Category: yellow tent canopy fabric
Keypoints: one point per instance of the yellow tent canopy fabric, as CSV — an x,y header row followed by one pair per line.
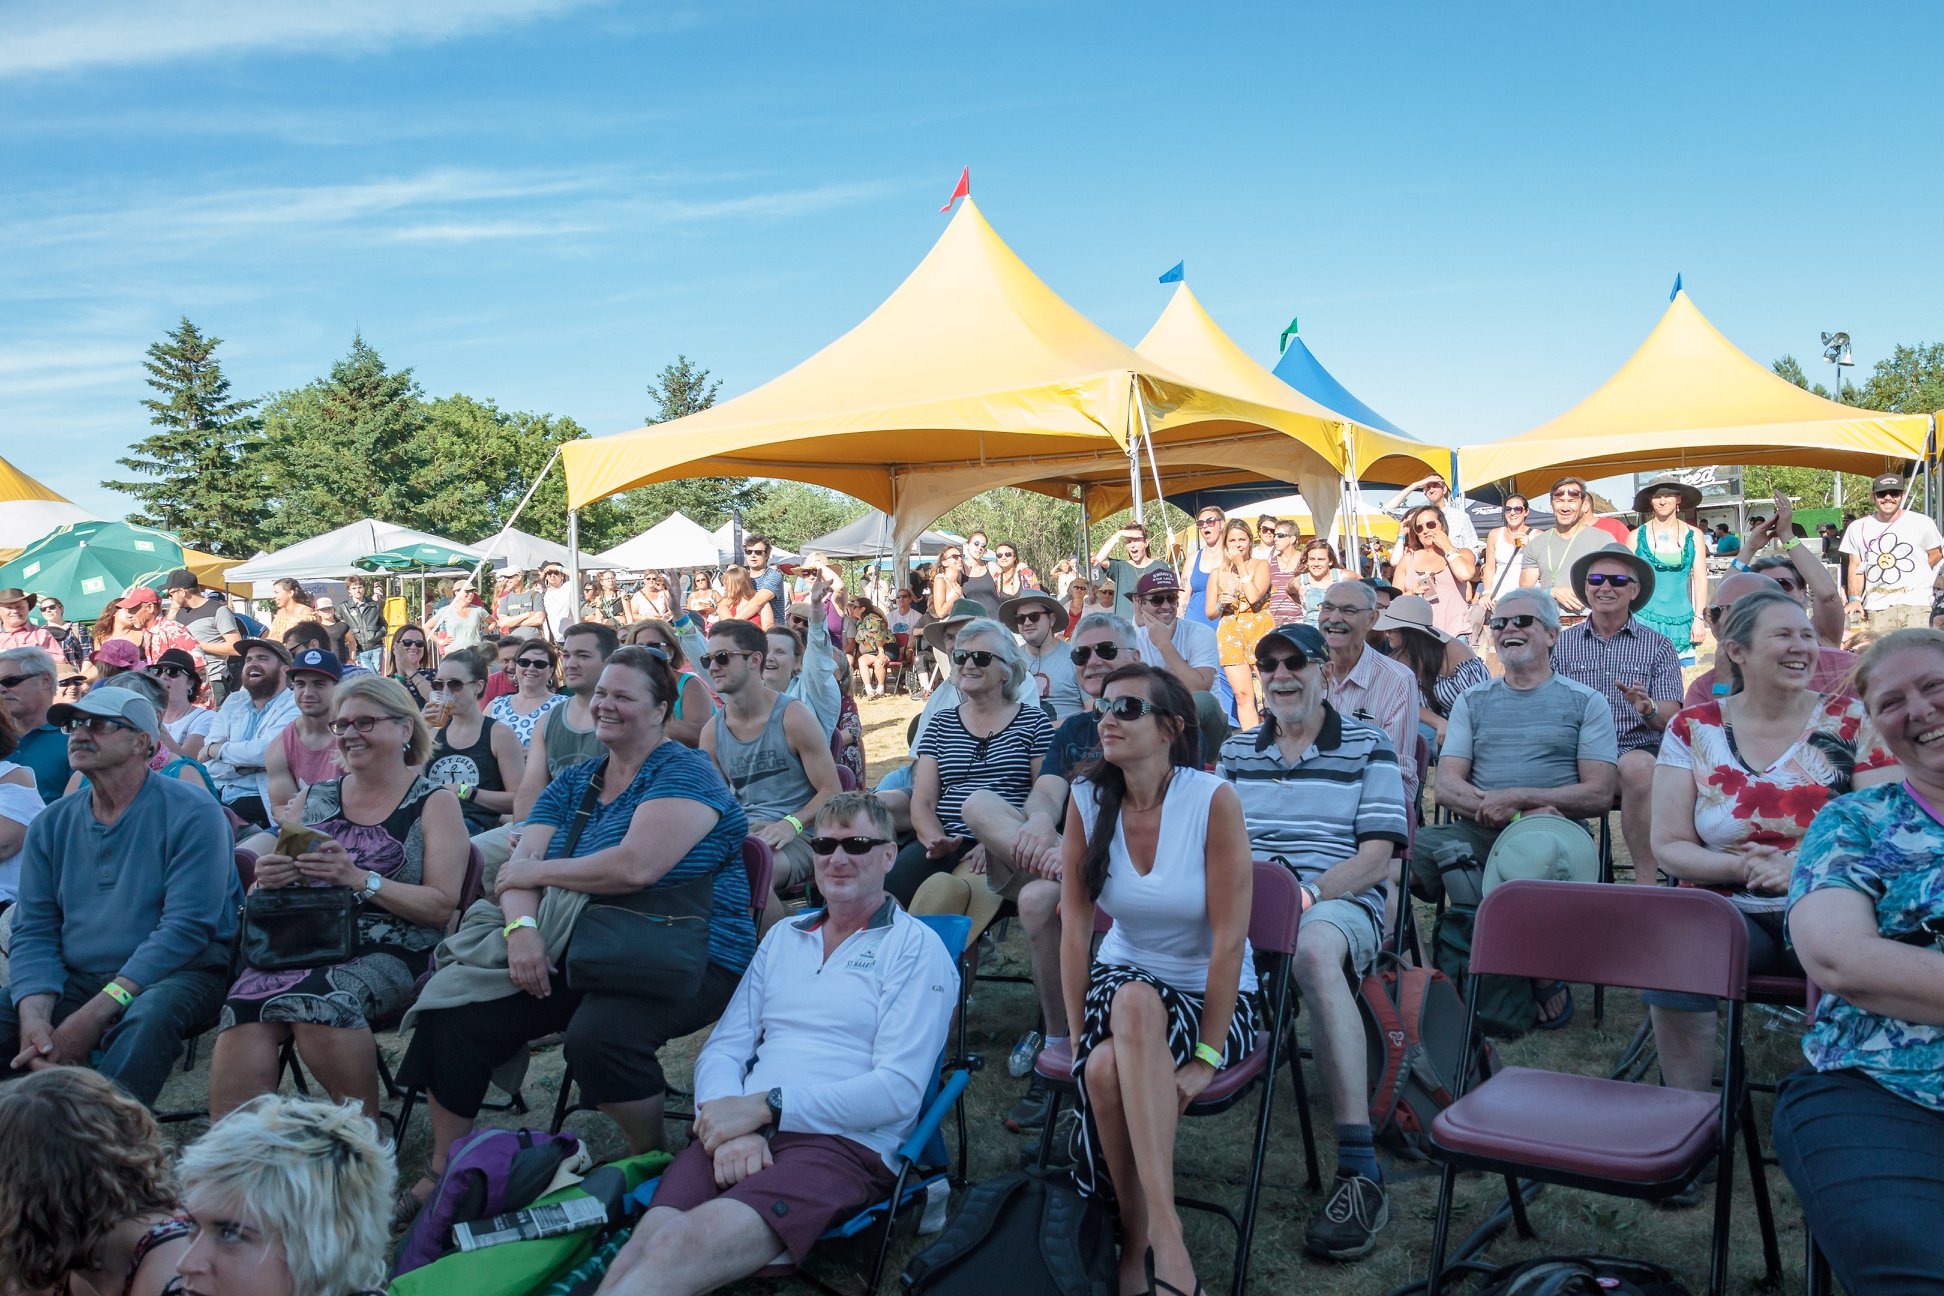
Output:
x,y
972,374
1689,397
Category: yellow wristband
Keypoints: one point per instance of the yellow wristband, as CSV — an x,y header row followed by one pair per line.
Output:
x,y
114,991
508,930
1204,1053
794,822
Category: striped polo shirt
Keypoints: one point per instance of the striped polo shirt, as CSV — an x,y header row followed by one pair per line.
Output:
x,y
1344,791
1633,654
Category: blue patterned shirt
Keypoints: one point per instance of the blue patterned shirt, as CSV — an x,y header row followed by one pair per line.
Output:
x,y
1882,843
671,770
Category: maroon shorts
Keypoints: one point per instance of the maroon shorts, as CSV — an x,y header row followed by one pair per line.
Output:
x,y
817,1180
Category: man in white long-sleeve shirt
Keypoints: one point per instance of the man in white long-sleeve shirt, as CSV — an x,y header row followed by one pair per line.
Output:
x,y
249,721
814,1075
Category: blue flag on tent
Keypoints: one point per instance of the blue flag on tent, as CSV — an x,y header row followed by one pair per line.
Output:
x,y
1677,287
1177,274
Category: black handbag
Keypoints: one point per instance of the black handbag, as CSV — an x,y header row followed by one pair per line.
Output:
x,y
285,929
653,944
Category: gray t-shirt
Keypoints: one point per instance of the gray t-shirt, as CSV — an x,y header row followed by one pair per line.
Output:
x,y
1532,738
1125,575
1553,555
525,603
208,624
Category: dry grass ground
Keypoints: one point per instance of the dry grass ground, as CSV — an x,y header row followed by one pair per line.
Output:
x,y
1213,1156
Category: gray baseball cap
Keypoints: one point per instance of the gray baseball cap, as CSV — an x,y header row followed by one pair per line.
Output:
x,y
118,703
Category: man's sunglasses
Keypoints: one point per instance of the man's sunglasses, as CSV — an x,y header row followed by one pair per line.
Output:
x,y
13,681
1157,600
1269,664
363,724
1615,579
1519,622
1031,614
977,656
1086,653
1127,708
716,660
95,725
825,847
1889,494
1209,522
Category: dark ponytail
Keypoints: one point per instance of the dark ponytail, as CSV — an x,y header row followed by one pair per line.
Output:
x,y
1173,705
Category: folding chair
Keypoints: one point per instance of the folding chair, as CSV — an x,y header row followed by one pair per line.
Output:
x,y
1610,1136
759,864
923,1158
1275,912
846,780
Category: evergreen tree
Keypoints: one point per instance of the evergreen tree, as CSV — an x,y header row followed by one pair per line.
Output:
x,y
201,481
681,389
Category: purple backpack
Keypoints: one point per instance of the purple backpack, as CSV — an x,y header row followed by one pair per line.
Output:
x,y
487,1173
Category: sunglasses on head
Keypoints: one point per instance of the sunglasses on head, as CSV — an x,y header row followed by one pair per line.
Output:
x,y
362,724
1615,579
1127,708
1519,621
977,656
828,846
1087,652
724,656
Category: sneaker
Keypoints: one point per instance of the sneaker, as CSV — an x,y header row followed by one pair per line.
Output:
x,y
1702,1185
1019,1064
1028,1115
1346,1227
1065,1151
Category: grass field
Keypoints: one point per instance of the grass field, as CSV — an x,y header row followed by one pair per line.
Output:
x,y
1213,1156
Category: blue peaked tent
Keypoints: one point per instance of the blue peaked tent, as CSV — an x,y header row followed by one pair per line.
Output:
x,y
1303,371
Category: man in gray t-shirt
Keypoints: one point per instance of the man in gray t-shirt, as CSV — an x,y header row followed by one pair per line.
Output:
x,y
1547,560
211,624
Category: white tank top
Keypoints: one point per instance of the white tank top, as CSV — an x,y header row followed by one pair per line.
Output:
x,y
1161,920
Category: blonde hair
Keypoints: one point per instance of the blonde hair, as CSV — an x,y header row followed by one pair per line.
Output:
x,y
736,583
1871,661
315,1176
389,696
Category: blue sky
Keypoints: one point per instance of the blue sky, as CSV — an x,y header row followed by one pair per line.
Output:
x,y
1475,210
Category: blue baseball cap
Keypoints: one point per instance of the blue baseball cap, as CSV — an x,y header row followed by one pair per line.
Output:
x,y
1306,639
318,661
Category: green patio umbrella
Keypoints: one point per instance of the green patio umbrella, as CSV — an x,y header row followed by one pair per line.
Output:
x,y
88,565
420,558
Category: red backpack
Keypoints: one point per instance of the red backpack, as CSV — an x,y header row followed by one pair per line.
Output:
x,y
1414,1029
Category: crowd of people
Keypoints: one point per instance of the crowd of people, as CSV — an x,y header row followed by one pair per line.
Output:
x,y
502,793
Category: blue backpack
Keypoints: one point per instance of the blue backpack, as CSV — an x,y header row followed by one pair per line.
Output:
x,y
487,1173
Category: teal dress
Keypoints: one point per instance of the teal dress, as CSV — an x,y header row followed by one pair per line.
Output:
x,y
1669,610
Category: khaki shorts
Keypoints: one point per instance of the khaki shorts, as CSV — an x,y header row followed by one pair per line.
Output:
x,y
1883,620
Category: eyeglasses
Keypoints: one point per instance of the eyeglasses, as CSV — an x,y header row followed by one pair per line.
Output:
x,y
1343,610
411,643
449,685
1519,622
1513,508
1157,600
1569,493
1429,524
801,623
1285,535
756,551
13,681
1714,611
1269,665
1006,553
1029,615
1087,652
363,724
1209,522
96,725
50,607
1615,579
73,682
534,663
1127,708
977,656
828,846
717,660
169,670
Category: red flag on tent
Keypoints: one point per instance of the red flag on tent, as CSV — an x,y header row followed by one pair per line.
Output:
x,y
961,190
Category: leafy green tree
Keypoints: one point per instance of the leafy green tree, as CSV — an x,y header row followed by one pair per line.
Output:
x,y
1910,381
479,460
201,480
792,512
679,389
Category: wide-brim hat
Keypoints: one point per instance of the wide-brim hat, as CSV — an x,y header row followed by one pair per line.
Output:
x,y
1542,847
14,594
1409,612
1009,610
961,612
1642,569
1644,497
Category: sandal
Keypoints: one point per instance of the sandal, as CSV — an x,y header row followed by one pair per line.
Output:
x,y
407,1205
1543,993
1156,1286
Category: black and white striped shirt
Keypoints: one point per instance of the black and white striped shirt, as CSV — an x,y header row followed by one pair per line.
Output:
x,y
1001,763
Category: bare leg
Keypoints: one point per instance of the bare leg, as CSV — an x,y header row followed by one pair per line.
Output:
x,y
447,1129
1686,1041
1242,680
1039,914
640,1122
1636,812
685,1253
345,1062
1151,1112
1336,1026
243,1065
1110,1122
994,822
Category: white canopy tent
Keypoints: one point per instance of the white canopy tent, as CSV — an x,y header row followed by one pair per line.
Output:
x,y
521,551
335,553
870,537
672,544
724,537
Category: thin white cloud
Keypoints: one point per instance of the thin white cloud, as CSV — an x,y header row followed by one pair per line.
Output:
x,y
43,38
474,231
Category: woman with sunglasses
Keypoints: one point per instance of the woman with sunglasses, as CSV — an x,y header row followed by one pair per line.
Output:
x,y
947,582
1236,599
185,724
701,601
651,602
1012,576
474,757
1170,997
1677,552
1434,567
695,698
612,602
1199,568
1504,550
410,663
591,603
994,739
395,839
533,693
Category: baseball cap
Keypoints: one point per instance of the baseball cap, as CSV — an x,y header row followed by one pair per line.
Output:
x,y
318,662
1306,639
326,602
119,703
139,595
182,578
1888,482
1159,581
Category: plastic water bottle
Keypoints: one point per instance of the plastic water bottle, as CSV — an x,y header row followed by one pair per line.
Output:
x,y
1019,1064
938,1196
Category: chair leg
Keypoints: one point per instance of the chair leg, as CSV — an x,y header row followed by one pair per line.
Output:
x,y
1758,1181
1515,1199
1046,1132
1817,1265
1440,1228
407,1100
1245,1227
1724,1206
1303,1119
884,1234
563,1102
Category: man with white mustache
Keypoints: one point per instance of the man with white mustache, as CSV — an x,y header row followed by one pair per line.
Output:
x,y
1362,683
1323,793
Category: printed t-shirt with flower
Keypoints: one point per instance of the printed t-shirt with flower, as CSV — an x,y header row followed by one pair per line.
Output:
x,y
1735,805
1880,842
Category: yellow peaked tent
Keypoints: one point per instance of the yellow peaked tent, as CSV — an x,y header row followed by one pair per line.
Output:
x,y
29,510
1688,397
972,374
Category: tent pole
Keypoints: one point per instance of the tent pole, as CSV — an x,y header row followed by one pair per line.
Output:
x,y
573,561
1350,502
1080,560
487,553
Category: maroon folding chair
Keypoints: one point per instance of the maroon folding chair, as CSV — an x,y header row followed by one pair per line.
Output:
x,y
1275,913
1610,1136
846,780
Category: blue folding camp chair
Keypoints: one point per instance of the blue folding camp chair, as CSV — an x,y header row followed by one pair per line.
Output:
x,y
922,1158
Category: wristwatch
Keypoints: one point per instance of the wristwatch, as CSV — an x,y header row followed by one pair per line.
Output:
x,y
1315,892
776,1108
373,881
